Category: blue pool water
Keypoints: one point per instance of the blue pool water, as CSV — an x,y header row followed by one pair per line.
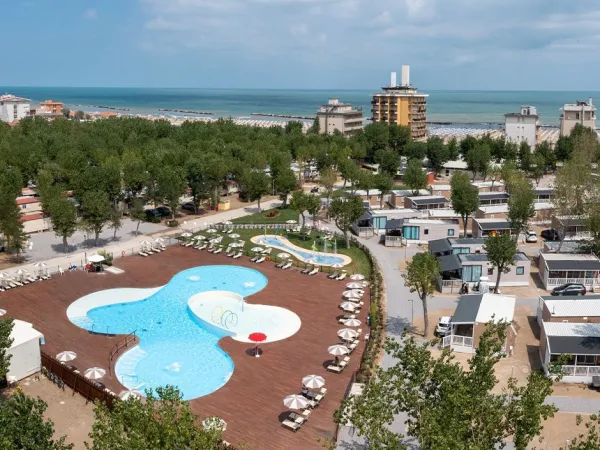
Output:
x,y
320,258
174,348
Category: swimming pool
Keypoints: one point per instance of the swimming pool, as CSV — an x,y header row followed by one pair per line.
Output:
x,y
320,258
175,347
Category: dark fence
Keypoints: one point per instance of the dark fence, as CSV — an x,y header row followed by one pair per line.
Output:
x,y
77,382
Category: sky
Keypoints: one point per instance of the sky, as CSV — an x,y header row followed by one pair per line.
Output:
x,y
304,44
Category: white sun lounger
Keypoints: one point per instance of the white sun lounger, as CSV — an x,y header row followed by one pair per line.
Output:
x,y
31,279
342,276
336,369
260,260
314,271
218,250
18,283
290,425
238,255
188,244
202,247
287,265
141,253
333,275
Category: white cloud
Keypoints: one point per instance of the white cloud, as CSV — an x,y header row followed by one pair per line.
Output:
x,y
90,14
299,29
382,19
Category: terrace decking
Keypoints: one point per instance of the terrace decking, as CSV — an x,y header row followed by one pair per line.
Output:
x,y
252,401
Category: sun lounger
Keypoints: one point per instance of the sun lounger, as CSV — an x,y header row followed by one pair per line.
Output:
x,y
305,271
323,391
287,265
202,247
336,369
343,318
238,255
280,265
188,244
31,279
18,283
211,248
141,253
300,418
218,250
229,231
333,275
230,252
291,425
342,276
346,360
157,249
260,260
314,271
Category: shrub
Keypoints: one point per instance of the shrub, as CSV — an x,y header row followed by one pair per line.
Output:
x,y
108,257
172,223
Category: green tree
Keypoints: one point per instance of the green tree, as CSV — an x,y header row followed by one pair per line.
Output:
x,y
591,439
161,421
137,213
328,179
415,177
116,221
421,276
388,161
285,182
349,171
257,185
24,427
346,211
399,137
453,150
501,251
171,186
521,205
508,173
478,158
313,205
366,182
96,211
464,197
316,126
545,151
377,136
12,227
6,327
384,183
63,213
299,202
563,148
437,153
449,406
538,164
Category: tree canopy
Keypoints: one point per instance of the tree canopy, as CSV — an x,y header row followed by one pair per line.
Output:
x,y
464,197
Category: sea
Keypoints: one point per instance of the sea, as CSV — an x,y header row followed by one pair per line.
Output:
x,y
484,109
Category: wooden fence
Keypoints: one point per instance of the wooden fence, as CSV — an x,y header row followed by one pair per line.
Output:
x,y
78,382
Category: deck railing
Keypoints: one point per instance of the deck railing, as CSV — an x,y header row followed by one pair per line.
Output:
x,y
581,371
121,344
587,282
459,341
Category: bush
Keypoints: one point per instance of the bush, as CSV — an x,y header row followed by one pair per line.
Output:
x,y
172,223
108,257
273,213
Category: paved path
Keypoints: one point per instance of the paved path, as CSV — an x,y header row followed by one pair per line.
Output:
x,y
402,308
130,246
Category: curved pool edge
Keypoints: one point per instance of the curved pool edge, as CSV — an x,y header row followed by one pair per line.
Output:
x,y
259,241
293,322
78,309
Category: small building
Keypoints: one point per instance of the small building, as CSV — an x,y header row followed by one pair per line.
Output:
x,y
341,117
423,202
372,200
568,308
489,186
489,227
397,196
544,195
449,167
523,126
583,113
13,108
473,314
493,198
421,231
564,247
458,269
441,190
374,221
571,228
32,217
25,353
578,342
456,246
51,107
557,269
492,212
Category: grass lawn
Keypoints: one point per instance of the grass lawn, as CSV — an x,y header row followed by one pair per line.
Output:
x,y
360,262
277,215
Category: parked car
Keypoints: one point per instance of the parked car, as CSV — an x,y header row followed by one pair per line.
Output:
x,y
550,235
163,211
530,236
570,289
314,190
189,206
152,215
443,326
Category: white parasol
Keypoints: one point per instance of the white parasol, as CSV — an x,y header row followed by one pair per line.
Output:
x,y
338,350
66,356
347,333
234,236
352,322
186,235
211,230
354,285
257,249
130,393
313,381
348,306
295,401
95,373
283,255
352,294
291,221
357,277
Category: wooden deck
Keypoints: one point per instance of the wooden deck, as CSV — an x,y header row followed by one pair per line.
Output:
x,y
252,401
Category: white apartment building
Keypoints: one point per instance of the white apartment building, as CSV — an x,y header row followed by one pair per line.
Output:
x,y
583,113
523,126
339,116
13,108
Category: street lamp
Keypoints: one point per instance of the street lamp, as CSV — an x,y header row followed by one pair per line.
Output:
x,y
412,311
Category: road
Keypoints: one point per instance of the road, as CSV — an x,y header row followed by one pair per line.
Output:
x,y
402,307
